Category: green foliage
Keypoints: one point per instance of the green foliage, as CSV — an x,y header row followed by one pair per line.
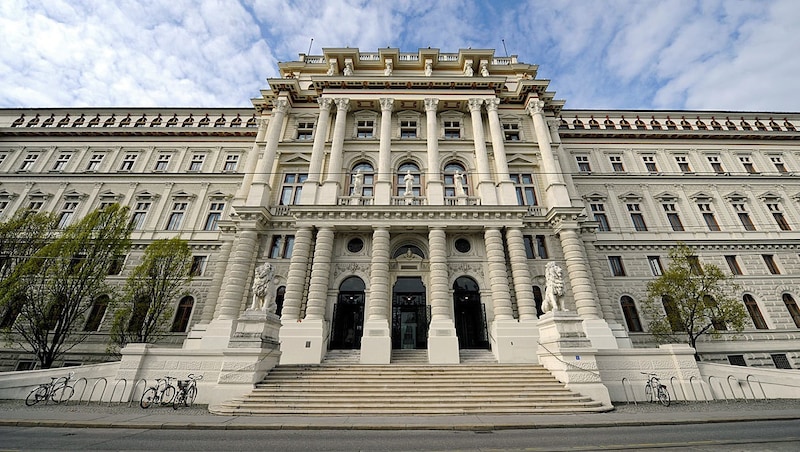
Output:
x,y
699,297
150,291
56,285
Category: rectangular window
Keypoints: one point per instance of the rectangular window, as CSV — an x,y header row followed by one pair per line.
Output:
x,y
288,247
176,217
292,188
197,162
708,216
305,131
452,129
198,265
616,163
365,129
163,162
747,164
583,163
715,164
524,186
733,265
737,360
529,246
408,129
672,217
650,163
683,163
67,213
598,210
636,217
61,162
744,217
35,206
139,215
94,162
214,215
775,209
231,162
28,162
695,266
780,361
3,157
779,165
617,269
275,247
769,260
541,247
127,162
655,265
511,132
117,264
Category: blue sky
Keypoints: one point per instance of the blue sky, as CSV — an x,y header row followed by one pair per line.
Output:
x,y
637,54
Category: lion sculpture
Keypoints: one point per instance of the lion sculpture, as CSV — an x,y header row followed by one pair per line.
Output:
x,y
262,285
554,289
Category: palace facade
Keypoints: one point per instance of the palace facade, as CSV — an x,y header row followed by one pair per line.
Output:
x,y
414,200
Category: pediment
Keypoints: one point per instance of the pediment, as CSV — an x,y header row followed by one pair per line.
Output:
x,y
735,195
595,196
183,195
769,196
665,196
520,159
295,158
630,196
146,195
700,196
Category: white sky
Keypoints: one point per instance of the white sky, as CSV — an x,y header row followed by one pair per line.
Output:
x,y
626,54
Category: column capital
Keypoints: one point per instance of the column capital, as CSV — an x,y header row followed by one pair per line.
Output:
x,y
431,104
535,107
387,103
325,103
553,125
475,104
492,104
342,104
281,105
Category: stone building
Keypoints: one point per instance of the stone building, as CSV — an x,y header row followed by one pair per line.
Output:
x,y
414,200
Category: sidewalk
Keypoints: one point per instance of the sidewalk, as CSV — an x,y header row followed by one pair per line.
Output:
x,y
15,413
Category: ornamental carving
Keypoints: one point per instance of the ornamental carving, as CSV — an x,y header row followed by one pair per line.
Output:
x,y
352,268
535,107
325,103
463,268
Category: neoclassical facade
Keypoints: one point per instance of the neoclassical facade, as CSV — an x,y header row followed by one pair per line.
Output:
x,y
414,200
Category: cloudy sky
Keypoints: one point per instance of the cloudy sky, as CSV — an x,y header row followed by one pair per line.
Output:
x,y
637,54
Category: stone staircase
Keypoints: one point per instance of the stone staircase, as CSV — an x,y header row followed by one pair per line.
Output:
x,y
408,386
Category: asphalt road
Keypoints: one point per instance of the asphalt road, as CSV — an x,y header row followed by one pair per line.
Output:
x,y
736,436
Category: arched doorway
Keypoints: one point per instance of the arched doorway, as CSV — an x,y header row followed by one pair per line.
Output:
x,y
470,314
409,314
348,315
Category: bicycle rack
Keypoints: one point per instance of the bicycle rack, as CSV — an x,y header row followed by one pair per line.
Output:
x,y
694,394
133,390
760,386
74,386
721,388
625,391
672,386
733,393
94,386
114,391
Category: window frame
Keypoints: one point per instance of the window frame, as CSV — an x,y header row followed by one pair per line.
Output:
x,y
617,266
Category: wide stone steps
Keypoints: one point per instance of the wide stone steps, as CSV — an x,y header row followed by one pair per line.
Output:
x,y
333,388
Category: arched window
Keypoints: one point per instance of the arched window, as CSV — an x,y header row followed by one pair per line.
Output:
x,y
631,314
450,186
138,315
673,315
96,313
279,295
367,175
408,249
182,315
755,312
791,305
416,179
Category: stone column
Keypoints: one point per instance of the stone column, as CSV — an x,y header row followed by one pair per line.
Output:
x,y
238,274
556,192
435,188
506,193
383,184
296,279
252,162
485,185
376,344
309,195
523,286
442,339
211,310
260,190
320,275
333,177
498,275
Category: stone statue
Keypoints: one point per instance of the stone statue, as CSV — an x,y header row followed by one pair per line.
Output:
x,y
358,183
388,70
484,69
468,69
332,68
458,181
262,286
348,69
428,68
554,288
409,181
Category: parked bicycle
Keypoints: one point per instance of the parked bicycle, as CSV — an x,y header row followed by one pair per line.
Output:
x,y
162,393
654,390
187,391
58,390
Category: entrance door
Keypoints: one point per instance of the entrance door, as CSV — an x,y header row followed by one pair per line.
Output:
x,y
409,314
348,315
470,315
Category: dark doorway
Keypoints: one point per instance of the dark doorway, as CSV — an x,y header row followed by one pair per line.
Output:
x,y
470,314
409,314
348,315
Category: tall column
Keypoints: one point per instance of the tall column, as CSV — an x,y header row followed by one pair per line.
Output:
x,y
383,184
320,275
435,188
333,177
523,286
296,279
498,275
260,190
506,193
442,339
238,274
557,195
485,185
311,184
252,162
376,344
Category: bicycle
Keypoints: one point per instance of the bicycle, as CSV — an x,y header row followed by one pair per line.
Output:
x,y
654,390
163,392
58,390
187,391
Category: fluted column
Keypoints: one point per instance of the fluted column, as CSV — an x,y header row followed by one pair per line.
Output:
x,y
238,274
523,288
434,189
335,163
320,275
557,195
440,299
379,276
260,190
252,161
318,150
485,185
579,274
383,184
498,275
296,279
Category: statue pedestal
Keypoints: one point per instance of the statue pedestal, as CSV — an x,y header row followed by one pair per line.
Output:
x,y
442,342
376,343
516,342
254,328
303,342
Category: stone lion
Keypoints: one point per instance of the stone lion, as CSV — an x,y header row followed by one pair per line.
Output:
x,y
262,285
554,289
